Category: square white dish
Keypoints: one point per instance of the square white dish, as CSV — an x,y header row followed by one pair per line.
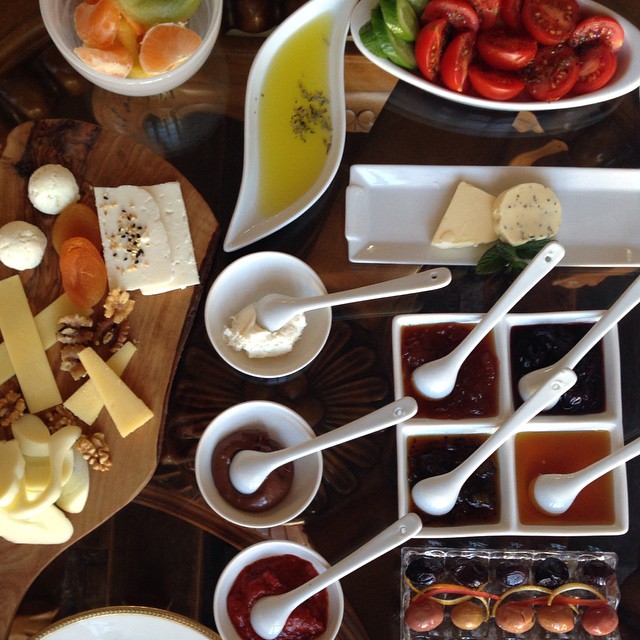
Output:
x,y
393,211
513,517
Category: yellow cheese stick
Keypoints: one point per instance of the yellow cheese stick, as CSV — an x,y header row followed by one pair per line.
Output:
x,y
127,411
47,325
25,349
85,402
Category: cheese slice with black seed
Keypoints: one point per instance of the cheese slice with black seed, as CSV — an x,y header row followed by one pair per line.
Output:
x,y
135,243
525,212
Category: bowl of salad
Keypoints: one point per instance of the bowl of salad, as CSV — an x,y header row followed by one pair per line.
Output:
x,y
509,55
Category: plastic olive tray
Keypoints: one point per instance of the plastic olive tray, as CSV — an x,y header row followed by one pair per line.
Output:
x,y
509,519
450,557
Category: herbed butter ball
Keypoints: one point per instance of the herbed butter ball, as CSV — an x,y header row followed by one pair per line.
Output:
x,y
22,245
51,188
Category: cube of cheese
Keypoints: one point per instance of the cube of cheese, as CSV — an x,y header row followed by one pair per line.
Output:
x,y
468,220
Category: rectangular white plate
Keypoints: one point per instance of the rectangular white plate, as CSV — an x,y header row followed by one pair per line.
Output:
x,y
392,211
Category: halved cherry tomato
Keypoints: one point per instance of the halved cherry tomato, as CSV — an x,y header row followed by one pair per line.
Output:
x,y
510,11
494,84
83,272
597,65
550,21
429,46
487,11
459,13
552,73
454,66
598,29
506,50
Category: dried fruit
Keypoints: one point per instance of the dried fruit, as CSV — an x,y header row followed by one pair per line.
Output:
x,y
83,272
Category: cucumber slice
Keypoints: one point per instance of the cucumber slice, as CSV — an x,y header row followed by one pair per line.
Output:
x,y
370,40
399,51
401,18
419,6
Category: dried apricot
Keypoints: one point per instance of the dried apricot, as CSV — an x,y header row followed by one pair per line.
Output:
x,y
74,220
83,272
165,46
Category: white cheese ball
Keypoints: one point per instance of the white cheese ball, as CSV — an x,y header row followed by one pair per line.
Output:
x,y
51,188
22,245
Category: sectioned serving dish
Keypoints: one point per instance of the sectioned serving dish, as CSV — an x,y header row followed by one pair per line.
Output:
x,y
556,437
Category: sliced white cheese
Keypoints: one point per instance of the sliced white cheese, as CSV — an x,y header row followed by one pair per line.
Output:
x,y
37,472
528,211
47,324
134,240
468,220
48,526
25,348
75,492
31,435
168,197
126,409
86,403
11,471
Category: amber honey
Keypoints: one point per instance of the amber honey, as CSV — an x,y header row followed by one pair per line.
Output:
x,y
564,452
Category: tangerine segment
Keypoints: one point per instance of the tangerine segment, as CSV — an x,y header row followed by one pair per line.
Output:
x,y
76,219
115,60
83,272
97,24
165,46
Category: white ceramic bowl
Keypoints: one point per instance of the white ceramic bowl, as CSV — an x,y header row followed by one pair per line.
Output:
x,y
58,19
244,282
267,549
514,517
284,426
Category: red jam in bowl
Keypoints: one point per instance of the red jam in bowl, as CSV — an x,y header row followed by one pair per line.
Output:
x,y
272,576
475,394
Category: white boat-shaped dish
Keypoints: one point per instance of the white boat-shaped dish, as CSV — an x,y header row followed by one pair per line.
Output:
x,y
626,79
132,623
393,211
295,120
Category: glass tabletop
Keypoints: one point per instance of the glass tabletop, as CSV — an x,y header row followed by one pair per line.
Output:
x,y
198,128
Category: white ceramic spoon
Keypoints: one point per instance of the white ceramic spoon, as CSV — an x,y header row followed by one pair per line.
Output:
x,y
436,379
249,469
270,613
554,493
627,301
274,310
437,495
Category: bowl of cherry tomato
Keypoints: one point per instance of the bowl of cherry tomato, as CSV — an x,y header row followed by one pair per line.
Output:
x,y
510,55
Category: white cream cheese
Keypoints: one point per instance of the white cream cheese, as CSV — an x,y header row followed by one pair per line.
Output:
x,y
51,188
245,334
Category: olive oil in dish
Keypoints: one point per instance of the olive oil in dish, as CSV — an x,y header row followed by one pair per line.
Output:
x,y
295,118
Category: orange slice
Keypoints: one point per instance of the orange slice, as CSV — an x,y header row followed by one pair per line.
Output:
x,y
97,24
165,46
115,60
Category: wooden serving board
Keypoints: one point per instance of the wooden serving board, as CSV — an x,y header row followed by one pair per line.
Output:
x,y
159,324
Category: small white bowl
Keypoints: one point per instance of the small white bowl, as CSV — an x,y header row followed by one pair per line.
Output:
x,y
244,282
267,549
58,20
283,425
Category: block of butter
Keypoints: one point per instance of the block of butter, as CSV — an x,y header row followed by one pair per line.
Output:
x,y
468,220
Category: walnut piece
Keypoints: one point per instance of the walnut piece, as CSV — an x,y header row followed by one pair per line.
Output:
x,y
118,305
12,407
112,335
95,451
58,417
75,332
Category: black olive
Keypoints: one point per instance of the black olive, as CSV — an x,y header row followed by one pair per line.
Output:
x,y
551,573
423,572
512,573
471,573
598,573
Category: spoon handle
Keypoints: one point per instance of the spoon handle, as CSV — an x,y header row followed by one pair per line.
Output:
x,y
613,460
544,261
269,614
627,301
416,282
549,392
392,413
